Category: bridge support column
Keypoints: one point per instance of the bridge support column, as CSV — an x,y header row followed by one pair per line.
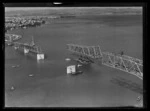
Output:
x,y
16,47
40,56
26,50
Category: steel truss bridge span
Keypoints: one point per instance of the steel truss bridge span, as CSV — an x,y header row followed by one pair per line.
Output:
x,y
122,62
30,47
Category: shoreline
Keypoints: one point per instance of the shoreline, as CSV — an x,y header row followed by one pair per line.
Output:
x,y
14,37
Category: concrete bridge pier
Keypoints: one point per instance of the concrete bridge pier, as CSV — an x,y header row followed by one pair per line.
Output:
x,y
16,47
40,56
26,50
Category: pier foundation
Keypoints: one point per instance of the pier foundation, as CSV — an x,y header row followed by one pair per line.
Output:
x,y
40,56
26,50
71,69
16,48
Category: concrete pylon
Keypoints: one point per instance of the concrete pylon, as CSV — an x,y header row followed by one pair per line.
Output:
x,y
16,47
71,69
26,50
40,56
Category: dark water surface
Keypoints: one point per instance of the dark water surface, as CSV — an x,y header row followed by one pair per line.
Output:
x,y
51,86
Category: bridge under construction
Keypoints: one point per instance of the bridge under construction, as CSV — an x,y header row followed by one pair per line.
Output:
x,y
93,54
27,47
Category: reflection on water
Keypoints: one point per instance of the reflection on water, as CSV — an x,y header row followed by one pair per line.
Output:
x,y
128,84
40,62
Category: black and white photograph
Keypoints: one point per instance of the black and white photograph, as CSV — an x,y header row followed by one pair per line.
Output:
x,y
85,56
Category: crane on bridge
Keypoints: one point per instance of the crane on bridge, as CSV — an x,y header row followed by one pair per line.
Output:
x,y
26,47
93,54
32,42
29,47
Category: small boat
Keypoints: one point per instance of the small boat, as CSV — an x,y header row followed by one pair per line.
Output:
x,y
13,66
12,88
31,75
67,59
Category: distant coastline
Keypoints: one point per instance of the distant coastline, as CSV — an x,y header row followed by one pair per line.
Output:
x,y
75,11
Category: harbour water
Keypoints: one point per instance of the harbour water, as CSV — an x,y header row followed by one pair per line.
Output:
x,y
50,86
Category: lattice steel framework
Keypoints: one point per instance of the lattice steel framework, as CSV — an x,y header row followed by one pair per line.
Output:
x,y
122,62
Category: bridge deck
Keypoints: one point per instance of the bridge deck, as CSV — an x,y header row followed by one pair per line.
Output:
x,y
32,48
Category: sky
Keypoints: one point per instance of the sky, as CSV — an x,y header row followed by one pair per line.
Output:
x,y
58,8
